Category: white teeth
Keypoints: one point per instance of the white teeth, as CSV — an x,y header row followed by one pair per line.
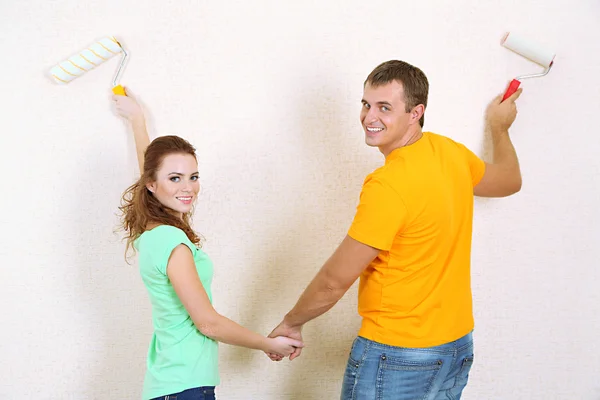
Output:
x,y
374,129
184,198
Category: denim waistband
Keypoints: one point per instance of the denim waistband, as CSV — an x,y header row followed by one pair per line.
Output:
x,y
449,347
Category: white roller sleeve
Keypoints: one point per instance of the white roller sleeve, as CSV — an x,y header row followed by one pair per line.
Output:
x,y
67,70
528,49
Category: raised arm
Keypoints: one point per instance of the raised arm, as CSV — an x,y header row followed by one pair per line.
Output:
x,y
128,108
502,176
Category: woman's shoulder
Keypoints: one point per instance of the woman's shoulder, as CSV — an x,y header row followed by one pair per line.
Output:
x,y
161,240
161,232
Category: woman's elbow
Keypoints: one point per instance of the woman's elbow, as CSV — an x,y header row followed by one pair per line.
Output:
x,y
208,325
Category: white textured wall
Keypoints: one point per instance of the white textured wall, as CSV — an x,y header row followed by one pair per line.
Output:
x,y
269,93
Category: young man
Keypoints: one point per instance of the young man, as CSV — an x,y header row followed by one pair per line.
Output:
x,y
410,243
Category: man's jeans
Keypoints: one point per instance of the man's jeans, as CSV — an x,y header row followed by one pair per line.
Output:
x,y
377,371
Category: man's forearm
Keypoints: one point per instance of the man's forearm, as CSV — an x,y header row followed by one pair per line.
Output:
x,y
505,155
318,298
141,138
333,280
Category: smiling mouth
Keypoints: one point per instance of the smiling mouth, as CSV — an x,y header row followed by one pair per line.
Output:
x,y
373,130
184,199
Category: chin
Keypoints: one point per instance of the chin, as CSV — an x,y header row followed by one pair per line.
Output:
x,y
370,142
182,210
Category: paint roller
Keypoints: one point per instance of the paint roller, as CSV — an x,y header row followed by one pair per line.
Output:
x,y
531,51
94,55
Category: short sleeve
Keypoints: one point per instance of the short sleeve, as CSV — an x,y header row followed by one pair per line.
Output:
x,y
380,215
164,241
476,164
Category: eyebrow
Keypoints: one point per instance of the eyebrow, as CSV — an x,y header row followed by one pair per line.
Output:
x,y
180,174
379,103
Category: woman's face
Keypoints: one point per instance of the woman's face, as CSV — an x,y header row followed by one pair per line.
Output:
x,y
176,185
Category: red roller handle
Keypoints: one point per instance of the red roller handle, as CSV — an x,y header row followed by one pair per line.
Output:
x,y
512,88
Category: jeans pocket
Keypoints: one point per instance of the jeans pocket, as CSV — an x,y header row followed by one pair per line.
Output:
x,y
463,375
353,350
350,378
351,374
356,354
406,379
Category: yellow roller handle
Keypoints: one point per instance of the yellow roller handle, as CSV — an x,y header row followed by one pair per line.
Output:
x,y
119,90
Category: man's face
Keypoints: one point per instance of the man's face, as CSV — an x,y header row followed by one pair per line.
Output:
x,y
384,117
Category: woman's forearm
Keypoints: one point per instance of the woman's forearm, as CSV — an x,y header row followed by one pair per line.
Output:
x,y
141,138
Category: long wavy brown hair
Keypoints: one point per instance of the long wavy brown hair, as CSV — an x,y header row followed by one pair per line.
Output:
x,y
139,208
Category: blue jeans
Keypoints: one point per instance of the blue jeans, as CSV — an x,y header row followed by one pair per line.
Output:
x,y
199,393
377,371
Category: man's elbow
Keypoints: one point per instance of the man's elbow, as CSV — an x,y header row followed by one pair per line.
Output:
x,y
515,186
518,185
509,184
335,288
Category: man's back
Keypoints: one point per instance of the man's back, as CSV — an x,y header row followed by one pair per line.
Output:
x,y
418,208
410,243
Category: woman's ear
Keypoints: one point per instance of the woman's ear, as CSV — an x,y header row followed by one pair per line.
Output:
x,y
151,187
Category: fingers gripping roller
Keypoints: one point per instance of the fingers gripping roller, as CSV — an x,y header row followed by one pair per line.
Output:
x,y
531,51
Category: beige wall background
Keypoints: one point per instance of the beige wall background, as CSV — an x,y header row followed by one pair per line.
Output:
x,y
269,92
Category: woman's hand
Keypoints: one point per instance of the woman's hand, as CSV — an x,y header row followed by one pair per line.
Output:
x,y
283,346
128,108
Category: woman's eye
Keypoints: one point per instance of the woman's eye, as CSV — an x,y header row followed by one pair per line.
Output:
x,y
194,178
174,179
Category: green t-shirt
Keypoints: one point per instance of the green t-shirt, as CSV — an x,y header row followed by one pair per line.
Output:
x,y
179,356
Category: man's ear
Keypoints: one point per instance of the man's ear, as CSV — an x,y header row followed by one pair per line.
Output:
x,y
416,113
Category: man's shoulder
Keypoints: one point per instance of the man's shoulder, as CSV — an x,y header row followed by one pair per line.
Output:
x,y
438,138
446,143
390,176
383,172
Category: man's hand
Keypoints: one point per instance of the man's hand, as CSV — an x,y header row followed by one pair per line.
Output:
x,y
501,114
283,346
292,332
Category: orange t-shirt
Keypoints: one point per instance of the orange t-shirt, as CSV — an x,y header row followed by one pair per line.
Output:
x,y
418,210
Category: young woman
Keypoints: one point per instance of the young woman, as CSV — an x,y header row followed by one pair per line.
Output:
x,y
156,216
